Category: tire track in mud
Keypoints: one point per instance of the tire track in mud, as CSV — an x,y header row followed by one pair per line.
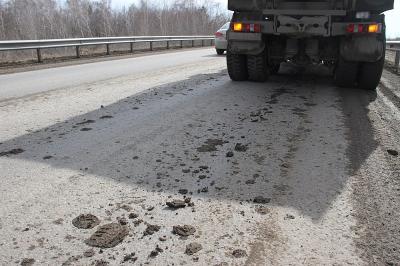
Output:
x,y
270,239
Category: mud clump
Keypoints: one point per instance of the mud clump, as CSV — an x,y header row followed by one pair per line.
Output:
x,y
27,262
151,229
184,230
108,236
393,153
133,215
86,122
11,152
229,154
89,253
183,191
261,200
155,252
130,258
86,221
211,145
106,117
176,204
239,253
262,210
86,129
240,147
193,248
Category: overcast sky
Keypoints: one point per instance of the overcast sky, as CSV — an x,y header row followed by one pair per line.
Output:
x,y
392,17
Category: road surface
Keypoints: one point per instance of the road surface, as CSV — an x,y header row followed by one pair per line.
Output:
x,y
291,171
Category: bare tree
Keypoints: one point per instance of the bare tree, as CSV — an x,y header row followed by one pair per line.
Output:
x,y
45,19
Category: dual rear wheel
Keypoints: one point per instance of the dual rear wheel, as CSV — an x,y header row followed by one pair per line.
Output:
x,y
250,67
365,75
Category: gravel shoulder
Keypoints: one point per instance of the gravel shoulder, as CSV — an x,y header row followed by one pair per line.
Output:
x,y
183,166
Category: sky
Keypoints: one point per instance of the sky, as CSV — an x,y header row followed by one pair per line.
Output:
x,y
392,17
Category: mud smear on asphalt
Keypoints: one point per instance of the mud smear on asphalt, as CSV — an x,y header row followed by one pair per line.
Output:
x,y
375,188
211,145
11,152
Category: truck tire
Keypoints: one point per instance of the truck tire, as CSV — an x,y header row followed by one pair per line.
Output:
x,y
370,74
237,69
220,51
346,73
257,67
275,69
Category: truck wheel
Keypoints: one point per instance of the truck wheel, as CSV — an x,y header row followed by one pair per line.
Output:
x,y
346,73
237,69
220,51
370,74
275,69
257,67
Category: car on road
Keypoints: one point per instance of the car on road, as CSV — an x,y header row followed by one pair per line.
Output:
x,y
221,44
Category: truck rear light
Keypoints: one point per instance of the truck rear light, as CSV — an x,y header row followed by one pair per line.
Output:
x,y
374,28
364,28
245,27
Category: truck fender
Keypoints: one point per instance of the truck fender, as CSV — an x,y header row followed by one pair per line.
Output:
x,y
362,48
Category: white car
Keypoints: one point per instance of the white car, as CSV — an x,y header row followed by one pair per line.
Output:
x,y
221,44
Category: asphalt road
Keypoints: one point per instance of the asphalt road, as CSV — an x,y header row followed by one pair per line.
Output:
x,y
291,171
33,82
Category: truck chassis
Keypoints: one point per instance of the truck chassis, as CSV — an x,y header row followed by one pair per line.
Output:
x,y
351,42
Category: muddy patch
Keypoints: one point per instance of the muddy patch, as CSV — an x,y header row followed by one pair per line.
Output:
x,y
11,152
108,236
184,230
86,221
193,248
211,145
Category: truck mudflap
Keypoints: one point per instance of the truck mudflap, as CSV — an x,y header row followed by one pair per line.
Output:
x,y
362,48
245,43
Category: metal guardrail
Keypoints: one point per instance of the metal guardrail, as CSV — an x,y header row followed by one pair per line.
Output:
x,y
39,45
394,46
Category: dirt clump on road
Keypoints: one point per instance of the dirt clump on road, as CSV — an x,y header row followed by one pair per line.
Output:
x,y
108,236
193,248
86,221
211,145
261,200
11,152
176,204
183,230
27,262
241,147
239,253
151,229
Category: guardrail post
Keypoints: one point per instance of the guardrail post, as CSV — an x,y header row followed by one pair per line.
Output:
x,y
202,42
151,46
39,55
181,44
108,48
131,47
167,44
397,61
192,43
78,54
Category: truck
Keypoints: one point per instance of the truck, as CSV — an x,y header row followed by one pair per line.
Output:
x,y
348,36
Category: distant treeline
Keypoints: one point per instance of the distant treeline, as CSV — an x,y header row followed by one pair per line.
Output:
x,y
46,19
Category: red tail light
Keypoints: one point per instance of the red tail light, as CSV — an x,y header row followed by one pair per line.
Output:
x,y
364,28
219,34
245,27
